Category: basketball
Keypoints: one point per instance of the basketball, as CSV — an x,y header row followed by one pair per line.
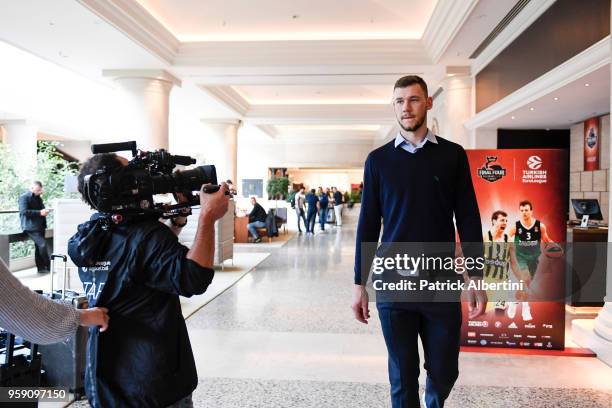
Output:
x,y
553,250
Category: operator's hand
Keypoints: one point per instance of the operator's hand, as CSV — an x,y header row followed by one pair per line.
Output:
x,y
214,206
44,212
476,300
96,316
360,304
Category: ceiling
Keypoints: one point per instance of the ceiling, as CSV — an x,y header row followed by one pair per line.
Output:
x,y
563,107
315,94
234,20
296,69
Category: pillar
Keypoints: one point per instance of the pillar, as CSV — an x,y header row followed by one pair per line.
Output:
x,y
222,147
21,136
597,334
147,101
453,106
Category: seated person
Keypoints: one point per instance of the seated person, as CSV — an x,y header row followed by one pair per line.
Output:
x,y
257,219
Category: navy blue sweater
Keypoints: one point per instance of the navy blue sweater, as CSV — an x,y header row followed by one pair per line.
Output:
x,y
416,195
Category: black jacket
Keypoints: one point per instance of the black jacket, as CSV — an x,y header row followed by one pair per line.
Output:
x,y
144,359
29,212
257,213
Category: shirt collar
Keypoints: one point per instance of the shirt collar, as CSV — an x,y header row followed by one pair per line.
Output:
x,y
399,139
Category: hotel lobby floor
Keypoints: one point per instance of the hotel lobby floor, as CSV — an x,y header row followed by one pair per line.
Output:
x,y
284,336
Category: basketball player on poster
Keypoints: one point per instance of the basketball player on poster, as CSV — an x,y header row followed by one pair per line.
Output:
x,y
496,256
529,236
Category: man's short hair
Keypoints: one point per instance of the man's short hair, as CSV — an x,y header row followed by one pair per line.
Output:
x,y
524,203
409,80
93,164
37,183
497,213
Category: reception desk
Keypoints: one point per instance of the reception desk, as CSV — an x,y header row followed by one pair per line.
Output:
x,y
241,234
586,265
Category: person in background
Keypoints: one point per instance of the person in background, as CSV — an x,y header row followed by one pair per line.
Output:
x,y
257,219
299,208
32,214
313,208
323,203
39,319
338,200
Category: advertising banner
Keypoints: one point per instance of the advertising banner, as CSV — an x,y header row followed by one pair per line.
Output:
x,y
591,144
522,200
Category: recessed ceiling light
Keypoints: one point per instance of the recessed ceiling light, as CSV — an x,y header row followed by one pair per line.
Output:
x,y
512,117
555,98
532,108
587,84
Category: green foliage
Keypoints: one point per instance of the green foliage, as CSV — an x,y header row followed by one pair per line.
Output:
x,y
278,187
51,170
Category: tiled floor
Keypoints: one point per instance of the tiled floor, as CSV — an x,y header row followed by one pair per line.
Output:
x,y
284,336
286,333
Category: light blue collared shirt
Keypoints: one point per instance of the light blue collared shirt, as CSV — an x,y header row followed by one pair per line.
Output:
x,y
411,148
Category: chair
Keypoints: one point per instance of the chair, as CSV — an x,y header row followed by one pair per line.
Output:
x,y
281,219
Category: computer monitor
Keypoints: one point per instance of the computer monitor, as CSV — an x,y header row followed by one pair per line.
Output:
x,y
588,207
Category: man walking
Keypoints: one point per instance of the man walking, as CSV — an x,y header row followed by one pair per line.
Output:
x,y
337,206
313,208
299,208
323,203
32,214
416,184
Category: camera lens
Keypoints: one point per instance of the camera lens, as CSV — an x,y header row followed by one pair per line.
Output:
x,y
188,180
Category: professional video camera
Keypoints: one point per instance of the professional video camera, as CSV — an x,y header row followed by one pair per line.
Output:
x,y
129,190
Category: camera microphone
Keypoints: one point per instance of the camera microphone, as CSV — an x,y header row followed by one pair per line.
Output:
x,y
115,147
183,160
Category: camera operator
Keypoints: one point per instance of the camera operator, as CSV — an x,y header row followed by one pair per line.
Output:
x,y
144,359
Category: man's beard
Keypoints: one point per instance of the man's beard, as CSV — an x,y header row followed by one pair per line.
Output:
x,y
416,127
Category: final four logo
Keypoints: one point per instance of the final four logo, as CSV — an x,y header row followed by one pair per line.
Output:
x,y
491,172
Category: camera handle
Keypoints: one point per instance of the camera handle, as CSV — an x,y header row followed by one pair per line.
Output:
x,y
213,188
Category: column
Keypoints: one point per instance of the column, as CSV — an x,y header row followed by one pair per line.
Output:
x,y
453,106
147,100
597,334
603,322
21,136
458,101
222,147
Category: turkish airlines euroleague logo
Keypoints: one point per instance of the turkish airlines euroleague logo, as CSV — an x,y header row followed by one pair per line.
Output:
x,y
535,174
534,162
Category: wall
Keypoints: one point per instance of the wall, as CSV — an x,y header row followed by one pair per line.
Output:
x,y
590,184
257,153
341,179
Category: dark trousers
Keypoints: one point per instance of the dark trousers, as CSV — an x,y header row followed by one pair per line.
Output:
x,y
310,219
300,214
41,253
439,326
323,218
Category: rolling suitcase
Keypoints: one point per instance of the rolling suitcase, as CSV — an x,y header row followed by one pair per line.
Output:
x,y
64,363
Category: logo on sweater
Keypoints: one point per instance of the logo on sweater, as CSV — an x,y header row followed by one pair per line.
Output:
x,y
491,172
